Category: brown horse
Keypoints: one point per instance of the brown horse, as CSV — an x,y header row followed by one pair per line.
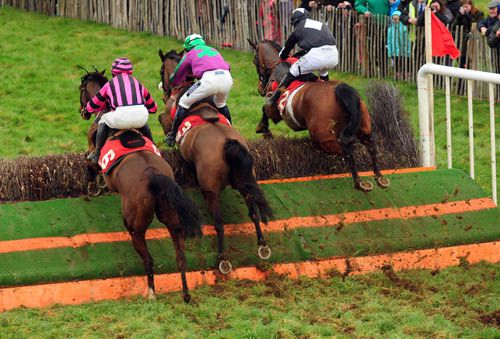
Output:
x,y
221,157
331,111
146,186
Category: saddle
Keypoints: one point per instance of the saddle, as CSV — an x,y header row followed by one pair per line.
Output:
x,y
206,110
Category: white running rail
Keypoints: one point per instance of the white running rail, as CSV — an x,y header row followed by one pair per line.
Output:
x,y
426,114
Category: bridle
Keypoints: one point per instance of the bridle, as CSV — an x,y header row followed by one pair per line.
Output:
x,y
265,76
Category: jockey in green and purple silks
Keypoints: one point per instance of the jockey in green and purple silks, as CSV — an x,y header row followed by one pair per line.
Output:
x,y
207,65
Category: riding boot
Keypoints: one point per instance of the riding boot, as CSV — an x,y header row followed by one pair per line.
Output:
x,y
324,78
100,140
146,131
225,112
287,80
180,115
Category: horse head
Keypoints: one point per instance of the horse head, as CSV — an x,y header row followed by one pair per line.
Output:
x,y
90,84
265,59
169,62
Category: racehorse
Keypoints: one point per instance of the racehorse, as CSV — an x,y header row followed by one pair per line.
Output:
x,y
221,157
331,111
146,186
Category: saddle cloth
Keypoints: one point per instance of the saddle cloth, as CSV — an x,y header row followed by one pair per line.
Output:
x,y
192,121
113,152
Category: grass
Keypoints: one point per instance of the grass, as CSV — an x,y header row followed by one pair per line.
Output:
x,y
455,302
39,88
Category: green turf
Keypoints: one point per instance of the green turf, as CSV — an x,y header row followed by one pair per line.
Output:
x,y
119,259
67,217
457,302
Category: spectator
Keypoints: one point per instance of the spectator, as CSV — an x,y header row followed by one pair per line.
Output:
x,y
442,13
394,7
398,45
485,25
310,5
369,7
467,14
453,6
494,43
339,4
412,11
270,24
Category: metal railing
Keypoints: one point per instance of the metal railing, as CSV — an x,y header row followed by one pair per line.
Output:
x,y
426,114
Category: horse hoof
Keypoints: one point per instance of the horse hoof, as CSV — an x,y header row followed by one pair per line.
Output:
x,y
151,294
93,189
187,298
100,181
365,186
225,267
264,252
383,182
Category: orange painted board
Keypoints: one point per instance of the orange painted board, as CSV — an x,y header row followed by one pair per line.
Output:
x,y
248,228
79,292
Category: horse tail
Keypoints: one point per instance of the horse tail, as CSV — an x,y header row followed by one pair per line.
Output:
x,y
350,103
242,178
168,192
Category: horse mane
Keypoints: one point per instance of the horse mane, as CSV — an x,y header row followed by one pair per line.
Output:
x,y
172,54
273,43
96,76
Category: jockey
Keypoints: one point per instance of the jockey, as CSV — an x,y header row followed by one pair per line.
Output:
x,y
207,65
318,49
129,101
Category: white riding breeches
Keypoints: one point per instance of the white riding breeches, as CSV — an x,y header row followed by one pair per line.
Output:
x,y
216,83
320,59
126,117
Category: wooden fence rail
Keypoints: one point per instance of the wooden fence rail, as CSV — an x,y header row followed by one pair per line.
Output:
x,y
362,42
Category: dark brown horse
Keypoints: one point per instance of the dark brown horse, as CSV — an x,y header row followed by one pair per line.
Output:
x,y
331,111
146,186
221,157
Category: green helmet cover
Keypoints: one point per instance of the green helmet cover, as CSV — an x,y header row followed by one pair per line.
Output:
x,y
192,41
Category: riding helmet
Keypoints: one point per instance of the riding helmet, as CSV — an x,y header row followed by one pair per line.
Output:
x,y
192,41
298,15
121,65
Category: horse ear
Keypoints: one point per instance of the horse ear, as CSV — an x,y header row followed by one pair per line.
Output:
x,y
160,53
103,71
253,44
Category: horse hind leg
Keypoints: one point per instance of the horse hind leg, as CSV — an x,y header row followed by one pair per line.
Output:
x,y
181,262
140,246
263,251
212,200
169,217
367,140
348,151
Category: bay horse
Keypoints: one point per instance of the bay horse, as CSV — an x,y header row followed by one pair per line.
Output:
x,y
146,186
332,112
221,157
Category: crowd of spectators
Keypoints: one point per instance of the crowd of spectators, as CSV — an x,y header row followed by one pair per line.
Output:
x,y
401,15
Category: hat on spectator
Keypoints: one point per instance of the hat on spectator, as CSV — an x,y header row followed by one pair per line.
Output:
x,y
298,15
121,65
493,4
397,13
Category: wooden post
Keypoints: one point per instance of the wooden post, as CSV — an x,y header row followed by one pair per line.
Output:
x,y
430,84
